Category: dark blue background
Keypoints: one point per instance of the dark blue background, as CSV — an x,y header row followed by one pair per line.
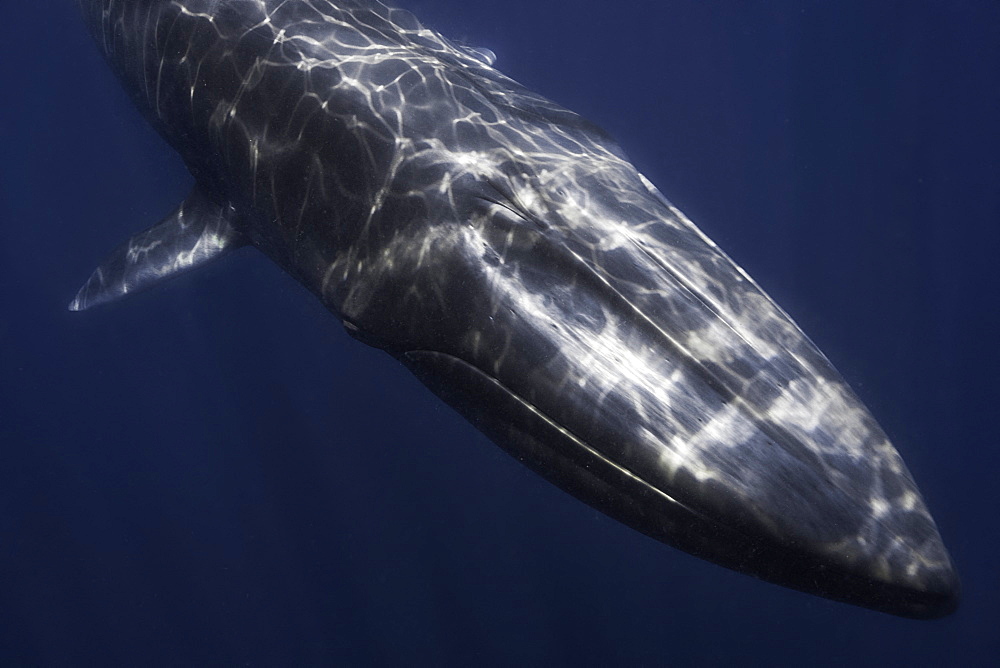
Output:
x,y
213,472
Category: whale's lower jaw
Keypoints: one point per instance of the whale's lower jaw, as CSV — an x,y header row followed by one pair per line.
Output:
x,y
571,464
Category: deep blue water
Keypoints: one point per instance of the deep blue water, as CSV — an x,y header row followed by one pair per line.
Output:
x,y
214,473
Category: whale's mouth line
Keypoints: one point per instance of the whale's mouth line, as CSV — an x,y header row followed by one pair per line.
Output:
x,y
572,437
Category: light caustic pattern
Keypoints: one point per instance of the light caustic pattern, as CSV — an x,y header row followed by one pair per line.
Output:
x,y
435,204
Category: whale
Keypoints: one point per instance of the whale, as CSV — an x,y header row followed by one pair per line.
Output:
x,y
505,250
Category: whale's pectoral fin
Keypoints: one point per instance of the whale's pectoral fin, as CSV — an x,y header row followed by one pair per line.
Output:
x,y
198,231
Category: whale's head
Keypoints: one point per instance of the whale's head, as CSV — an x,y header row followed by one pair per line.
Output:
x,y
595,334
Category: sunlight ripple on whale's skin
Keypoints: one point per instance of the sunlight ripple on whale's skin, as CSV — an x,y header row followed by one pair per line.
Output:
x,y
504,249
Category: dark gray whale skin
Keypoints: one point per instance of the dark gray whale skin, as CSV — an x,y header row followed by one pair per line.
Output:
x,y
505,250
